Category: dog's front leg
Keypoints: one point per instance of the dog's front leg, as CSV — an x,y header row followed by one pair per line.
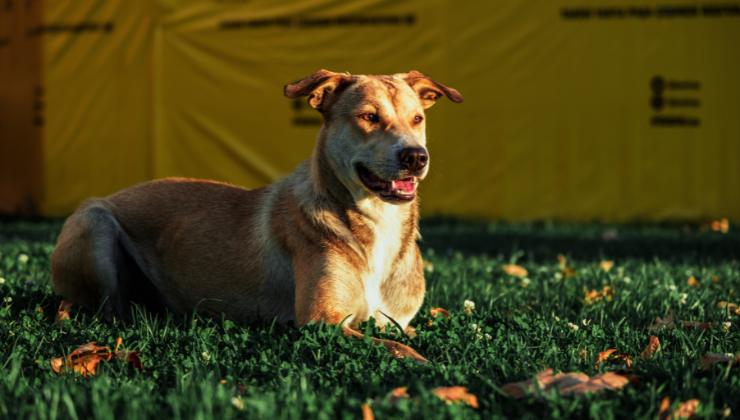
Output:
x,y
332,293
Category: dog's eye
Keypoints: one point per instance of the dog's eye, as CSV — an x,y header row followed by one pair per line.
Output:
x,y
418,119
370,117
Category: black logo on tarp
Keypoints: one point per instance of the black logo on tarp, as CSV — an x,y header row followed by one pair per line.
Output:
x,y
303,114
674,102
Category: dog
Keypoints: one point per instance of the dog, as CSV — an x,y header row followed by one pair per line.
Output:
x,y
334,241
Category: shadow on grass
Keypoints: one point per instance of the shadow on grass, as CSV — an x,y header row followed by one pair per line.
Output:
x,y
544,240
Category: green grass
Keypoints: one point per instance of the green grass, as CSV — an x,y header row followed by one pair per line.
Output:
x,y
195,367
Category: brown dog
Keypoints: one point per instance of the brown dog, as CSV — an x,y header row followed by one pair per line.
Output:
x,y
335,241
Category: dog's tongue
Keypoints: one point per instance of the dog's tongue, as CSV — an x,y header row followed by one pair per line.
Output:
x,y
406,185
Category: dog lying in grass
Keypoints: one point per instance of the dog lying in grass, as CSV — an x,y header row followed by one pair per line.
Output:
x,y
335,241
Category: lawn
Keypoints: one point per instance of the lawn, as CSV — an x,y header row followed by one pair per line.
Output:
x,y
559,315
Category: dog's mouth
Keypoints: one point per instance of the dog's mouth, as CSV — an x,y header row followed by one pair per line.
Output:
x,y
399,190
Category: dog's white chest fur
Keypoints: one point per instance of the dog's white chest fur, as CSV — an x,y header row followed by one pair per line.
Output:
x,y
383,252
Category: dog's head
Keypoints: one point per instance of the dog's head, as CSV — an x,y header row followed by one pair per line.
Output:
x,y
374,128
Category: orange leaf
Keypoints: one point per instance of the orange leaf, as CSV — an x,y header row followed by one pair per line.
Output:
x,y
515,270
398,394
729,306
665,405
439,311
86,358
651,348
596,295
691,325
63,311
603,356
566,383
692,281
565,270
711,359
367,412
686,409
606,265
452,394
721,225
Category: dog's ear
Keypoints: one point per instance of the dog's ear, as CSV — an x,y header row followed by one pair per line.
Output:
x,y
322,88
429,90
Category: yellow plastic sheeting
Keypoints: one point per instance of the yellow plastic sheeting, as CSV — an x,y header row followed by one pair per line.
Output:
x,y
600,111
97,81
560,119
20,109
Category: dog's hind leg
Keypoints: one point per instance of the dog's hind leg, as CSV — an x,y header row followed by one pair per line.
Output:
x,y
89,264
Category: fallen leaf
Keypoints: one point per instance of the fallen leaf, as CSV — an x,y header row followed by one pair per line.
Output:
x,y
398,394
565,269
566,383
63,311
729,306
692,281
452,394
722,225
603,356
661,323
85,359
697,325
651,348
685,409
515,270
711,359
597,295
665,405
367,412
439,311
606,265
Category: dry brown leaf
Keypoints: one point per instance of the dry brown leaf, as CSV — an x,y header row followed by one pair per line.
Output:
x,y
729,306
63,311
692,281
606,265
603,356
665,405
685,409
452,394
515,270
697,325
566,383
565,269
367,412
597,295
722,225
711,359
661,323
85,359
439,311
398,394
651,348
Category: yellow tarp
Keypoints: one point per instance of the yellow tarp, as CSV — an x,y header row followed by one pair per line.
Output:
x,y
605,111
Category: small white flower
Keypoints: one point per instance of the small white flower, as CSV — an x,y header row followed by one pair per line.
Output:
x,y
558,275
586,322
2,280
557,318
573,326
683,298
468,306
475,328
726,326
672,287
238,403
206,356
8,299
627,280
488,337
526,281
22,258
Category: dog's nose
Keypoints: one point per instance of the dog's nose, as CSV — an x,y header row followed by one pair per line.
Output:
x,y
413,158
